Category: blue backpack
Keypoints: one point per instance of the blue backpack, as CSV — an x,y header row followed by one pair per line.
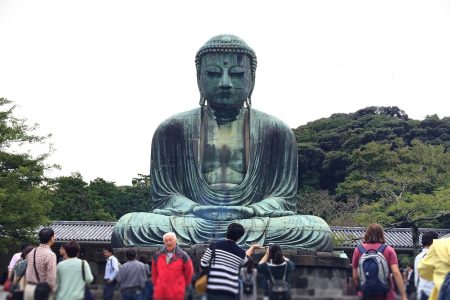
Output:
x,y
373,271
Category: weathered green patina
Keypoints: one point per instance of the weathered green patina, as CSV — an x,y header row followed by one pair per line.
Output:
x,y
224,162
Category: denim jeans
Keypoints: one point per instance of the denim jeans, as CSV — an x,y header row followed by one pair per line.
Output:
x,y
423,296
132,295
108,291
148,290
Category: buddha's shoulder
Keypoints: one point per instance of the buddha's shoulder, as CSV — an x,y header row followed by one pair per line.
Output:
x,y
268,119
181,118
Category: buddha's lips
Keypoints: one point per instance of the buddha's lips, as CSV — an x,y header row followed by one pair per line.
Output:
x,y
226,94
226,108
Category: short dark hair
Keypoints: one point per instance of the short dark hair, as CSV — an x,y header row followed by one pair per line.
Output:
x,y
235,231
143,259
23,245
45,235
131,254
374,234
428,237
108,248
72,248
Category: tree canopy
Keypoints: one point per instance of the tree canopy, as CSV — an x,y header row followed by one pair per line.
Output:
x,y
23,199
325,145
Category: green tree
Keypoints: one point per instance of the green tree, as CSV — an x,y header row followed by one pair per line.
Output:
x,y
310,160
383,172
104,193
134,198
72,201
322,204
23,197
401,186
334,139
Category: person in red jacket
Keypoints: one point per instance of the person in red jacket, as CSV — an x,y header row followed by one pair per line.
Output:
x,y
172,270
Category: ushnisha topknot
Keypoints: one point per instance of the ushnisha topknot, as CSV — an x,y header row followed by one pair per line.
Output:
x,y
226,43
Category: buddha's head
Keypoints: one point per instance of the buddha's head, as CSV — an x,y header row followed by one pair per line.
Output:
x,y
226,68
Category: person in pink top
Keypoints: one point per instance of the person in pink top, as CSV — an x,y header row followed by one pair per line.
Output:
x,y
373,239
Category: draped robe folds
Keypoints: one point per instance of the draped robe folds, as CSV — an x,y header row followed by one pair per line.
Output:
x,y
269,186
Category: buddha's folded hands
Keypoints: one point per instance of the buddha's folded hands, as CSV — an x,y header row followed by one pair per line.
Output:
x,y
223,212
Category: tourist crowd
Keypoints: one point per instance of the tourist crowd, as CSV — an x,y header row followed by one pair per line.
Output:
x,y
226,271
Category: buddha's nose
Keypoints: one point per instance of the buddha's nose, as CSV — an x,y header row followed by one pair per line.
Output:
x,y
225,81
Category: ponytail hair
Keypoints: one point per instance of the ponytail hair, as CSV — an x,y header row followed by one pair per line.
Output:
x,y
276,254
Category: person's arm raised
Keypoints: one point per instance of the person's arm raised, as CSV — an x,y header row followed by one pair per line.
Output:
x,y
252,248
265,258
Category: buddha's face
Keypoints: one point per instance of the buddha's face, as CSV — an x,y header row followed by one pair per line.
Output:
x,y
225,79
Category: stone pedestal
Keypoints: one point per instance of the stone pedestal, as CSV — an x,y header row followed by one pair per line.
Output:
x,y
317,275
321,275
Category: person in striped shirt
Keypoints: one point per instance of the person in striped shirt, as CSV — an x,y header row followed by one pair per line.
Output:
x,y
224,258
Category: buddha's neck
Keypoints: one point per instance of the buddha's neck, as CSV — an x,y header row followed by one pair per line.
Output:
x,y
224,115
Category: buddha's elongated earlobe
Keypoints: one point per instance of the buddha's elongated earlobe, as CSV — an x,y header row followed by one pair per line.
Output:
x,y
248,102
202,101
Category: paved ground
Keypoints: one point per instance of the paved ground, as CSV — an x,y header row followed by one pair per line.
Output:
x,y
2,293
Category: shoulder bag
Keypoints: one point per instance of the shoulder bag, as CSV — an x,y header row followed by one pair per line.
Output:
x,y
201,282
87,291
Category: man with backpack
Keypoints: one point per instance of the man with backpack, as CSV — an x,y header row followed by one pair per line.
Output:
x,y
373,264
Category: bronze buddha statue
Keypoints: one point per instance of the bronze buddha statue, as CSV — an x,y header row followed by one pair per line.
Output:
x,y
224,162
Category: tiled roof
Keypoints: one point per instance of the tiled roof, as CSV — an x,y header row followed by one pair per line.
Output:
x,y
396,237
83,231
446,236
100,232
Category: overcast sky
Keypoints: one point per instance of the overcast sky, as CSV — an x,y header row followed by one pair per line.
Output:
x,y
100,75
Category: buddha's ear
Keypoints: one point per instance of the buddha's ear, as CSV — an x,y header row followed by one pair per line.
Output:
x,y
198,86
253,86
202,100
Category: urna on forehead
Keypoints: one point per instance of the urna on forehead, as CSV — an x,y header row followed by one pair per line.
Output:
x,y
226,43
226,59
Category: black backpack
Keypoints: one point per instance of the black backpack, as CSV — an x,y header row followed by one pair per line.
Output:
x,y
279,288
247,283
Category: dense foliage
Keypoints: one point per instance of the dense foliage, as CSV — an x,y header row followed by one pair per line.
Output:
x,y
23,200
326,145
75,200
379,164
